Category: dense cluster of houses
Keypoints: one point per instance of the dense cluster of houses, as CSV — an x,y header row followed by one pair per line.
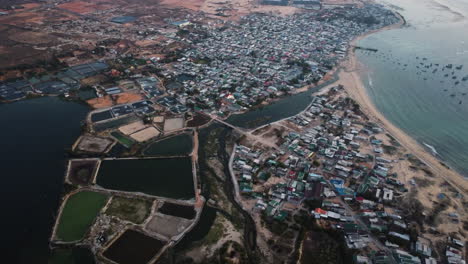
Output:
x,y
57,83
336,160
240,65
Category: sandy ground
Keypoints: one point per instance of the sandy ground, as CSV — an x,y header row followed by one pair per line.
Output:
x,y
158,119
132,127
268,184
342,2
167,225
125,98
83,7
145,134
108,101
229,234
232,9
100,102
173,124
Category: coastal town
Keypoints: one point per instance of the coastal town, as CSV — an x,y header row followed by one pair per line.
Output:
x,y
161,163
335,165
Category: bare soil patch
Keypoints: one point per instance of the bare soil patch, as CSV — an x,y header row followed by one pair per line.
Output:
x,y
173,124
167,225
145,134
82,171
92,144
198,120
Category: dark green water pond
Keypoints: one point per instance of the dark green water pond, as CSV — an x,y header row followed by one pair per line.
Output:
x,y
176,145
170,178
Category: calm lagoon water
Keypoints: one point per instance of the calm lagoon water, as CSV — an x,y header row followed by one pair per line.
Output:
x,y
34,136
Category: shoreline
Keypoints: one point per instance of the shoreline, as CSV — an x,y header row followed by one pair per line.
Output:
x,y
350,78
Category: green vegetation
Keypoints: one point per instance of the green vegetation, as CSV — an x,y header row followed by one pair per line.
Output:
x,y
393,140
127,142
230,252
321,247
216,231
78,214
390,150
133,210
414,160
316,163
62,256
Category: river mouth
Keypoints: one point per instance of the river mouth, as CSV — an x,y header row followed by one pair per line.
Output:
x,y
165,177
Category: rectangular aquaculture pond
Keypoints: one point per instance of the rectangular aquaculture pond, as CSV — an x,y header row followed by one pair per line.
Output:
x,y
171,178
133,247
173,146
179,210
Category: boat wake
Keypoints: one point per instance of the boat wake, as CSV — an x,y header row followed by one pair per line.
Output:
x,y
458,16
369,78
431,148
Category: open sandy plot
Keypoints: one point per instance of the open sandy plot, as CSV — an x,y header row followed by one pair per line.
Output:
x,y
125,98
83,7
173,124
36,17
341,2
145,134
235,9
100,102
93,80
158,119
167,225
30,5
190,4
222,232
132,127
30,37
93,144
108,101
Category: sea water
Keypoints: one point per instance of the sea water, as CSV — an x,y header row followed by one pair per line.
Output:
x,y
411,81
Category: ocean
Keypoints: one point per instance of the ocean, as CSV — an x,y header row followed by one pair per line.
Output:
x,y
418,78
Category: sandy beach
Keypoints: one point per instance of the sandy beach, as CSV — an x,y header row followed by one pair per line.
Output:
x,y
349,77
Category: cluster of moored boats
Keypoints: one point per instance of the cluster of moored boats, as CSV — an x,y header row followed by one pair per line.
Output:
x,y
448,74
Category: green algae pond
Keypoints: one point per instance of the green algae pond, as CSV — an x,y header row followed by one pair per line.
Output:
x,y
124,140
166,177
78,214
173,146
